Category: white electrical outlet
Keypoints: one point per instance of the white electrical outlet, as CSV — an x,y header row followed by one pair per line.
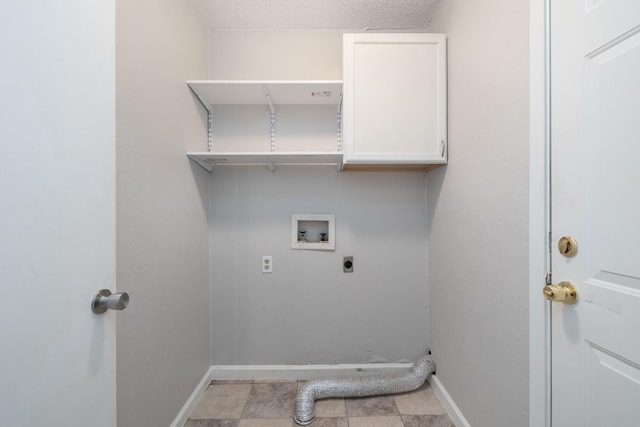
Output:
x,y
267,264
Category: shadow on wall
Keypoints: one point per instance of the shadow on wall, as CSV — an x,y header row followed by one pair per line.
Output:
x,y
435,181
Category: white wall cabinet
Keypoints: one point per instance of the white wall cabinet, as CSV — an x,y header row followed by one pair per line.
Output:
x,y
395,101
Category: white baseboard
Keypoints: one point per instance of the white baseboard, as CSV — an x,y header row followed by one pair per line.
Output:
x,y
192,401
448,403
303,372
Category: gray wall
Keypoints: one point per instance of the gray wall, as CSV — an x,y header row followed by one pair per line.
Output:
x,y
162,209
275,55
478,214
308,311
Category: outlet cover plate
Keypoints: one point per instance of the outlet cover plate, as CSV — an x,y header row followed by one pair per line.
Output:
x,y
267,264
347,264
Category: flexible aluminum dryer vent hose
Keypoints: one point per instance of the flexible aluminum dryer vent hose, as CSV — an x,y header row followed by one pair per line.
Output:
x,y
360,387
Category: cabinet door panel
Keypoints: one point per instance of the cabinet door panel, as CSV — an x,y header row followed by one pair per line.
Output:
x,y
395,98
394,104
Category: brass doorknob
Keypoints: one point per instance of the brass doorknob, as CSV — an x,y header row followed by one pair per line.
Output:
x,y
562,292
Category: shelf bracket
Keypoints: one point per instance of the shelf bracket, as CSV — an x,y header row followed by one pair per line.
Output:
x,y
202,102
203,164
209,109
270,164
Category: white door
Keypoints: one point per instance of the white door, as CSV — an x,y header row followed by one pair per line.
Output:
x,y
57,212
595,84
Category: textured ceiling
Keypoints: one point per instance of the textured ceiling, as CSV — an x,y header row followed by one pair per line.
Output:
x,y
316,14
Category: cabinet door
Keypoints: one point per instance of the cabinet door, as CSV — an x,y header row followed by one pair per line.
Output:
x,y
395,99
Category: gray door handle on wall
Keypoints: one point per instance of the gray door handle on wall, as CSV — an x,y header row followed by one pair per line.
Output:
x,y
104,300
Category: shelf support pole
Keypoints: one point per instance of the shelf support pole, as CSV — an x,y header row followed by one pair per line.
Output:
x,y
339,125
210,129
273,119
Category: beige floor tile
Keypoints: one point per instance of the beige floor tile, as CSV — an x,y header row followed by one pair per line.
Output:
x,y
427,421
329,422
371,406
375,422
231,382
222,401
212,423
330,408
270,400
262,422
420,402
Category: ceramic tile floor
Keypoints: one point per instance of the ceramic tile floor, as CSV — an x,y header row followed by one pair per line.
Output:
x,y
270,404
